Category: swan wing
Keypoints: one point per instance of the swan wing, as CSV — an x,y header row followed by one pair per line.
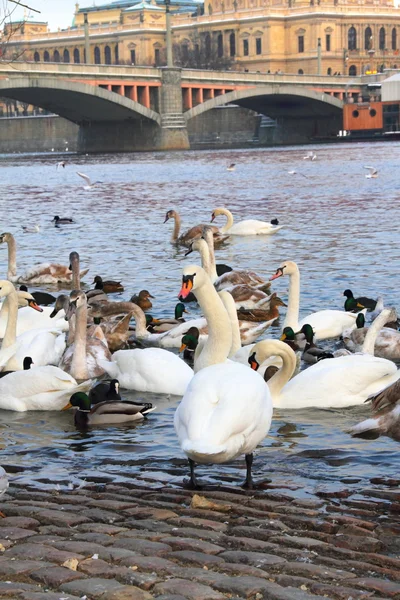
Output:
x,y
253,227
330,323
85,177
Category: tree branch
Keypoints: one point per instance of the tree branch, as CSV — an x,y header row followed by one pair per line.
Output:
x,y
24,5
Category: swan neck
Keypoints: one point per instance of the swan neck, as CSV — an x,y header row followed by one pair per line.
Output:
x,y
279,380
11,328
219,341
292,314
204,252
177,227
76,278
230,307
79,368
229,221
12,258
213,269
140,321
368,346
71,330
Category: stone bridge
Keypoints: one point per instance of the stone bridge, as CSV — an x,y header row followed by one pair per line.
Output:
x,y
143,108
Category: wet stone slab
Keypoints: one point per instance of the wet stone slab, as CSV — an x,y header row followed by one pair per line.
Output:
x,y
131,543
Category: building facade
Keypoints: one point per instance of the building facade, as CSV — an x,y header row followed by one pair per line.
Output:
x,y
327,37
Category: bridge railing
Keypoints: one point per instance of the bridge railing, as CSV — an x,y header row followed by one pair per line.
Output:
x,y
65,69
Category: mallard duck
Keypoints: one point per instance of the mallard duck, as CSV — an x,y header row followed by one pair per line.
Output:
x,y
193,233
142,299
296,341
42,298
362,302
107,286
190,341
161,325
259,314
106,413
312,353
105,392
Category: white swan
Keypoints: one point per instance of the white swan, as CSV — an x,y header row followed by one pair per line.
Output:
x,y
149,370
44,346
387,344
325,323
248,227
42,273
82,358
334,382
227,409
39,388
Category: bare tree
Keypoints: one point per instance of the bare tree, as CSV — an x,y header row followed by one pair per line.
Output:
x,y
8,29
202,50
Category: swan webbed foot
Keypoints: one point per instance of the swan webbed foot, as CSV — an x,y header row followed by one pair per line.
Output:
x,y
248,483
193,485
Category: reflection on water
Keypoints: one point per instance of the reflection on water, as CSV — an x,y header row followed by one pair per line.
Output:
x,y
340,227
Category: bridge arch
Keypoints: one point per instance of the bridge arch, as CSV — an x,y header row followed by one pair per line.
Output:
x,y
274,100
81,103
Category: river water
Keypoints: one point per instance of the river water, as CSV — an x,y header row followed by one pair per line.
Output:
x,y
341,228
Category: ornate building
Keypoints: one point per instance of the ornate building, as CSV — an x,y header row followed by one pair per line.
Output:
x,y
324,37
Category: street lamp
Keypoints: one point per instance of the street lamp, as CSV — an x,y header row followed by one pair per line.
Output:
x,y
169,36
87,43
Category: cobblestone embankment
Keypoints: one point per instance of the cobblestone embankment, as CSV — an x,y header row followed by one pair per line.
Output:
x,y
120,542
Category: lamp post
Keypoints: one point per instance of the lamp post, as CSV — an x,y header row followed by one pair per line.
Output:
x,y
168,31
319,49
87,43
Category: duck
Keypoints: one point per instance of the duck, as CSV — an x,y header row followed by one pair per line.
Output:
x,y
226,410
387,344
105,392
108,286
326,324
43,273
296,341
248,227
311,352
161,325
258,314
142,299
190,341
62,220
335,383
352,303
45,346
193,233
106,413
82,358
41,388
42,298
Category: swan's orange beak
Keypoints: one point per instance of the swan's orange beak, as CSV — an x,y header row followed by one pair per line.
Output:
x,y
185,289
35,306
253,364
279,273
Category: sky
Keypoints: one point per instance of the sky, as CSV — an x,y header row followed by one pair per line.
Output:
x,y
58,13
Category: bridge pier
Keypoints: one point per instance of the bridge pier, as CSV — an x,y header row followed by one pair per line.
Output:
x,y
173,134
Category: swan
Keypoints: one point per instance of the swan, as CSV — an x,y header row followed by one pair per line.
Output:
x,y
387,344
42,273
226,410
40,388
334,383
386,420
248,227
193,233
28,320
325,323
82,358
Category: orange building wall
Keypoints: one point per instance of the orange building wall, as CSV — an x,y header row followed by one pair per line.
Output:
x,y
359,117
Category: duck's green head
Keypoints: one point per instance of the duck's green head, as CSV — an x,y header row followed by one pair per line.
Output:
x,y
189,341
80,400
97,320
352,304
360,321
308,333
287,335
179,310
348,294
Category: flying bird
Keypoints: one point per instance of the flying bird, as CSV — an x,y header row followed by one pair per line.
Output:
x,y
231,167
373,173
297,173
310,156
88,181
61,165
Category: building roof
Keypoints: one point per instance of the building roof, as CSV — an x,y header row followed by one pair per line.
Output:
x,y
144,6
127,5
26,22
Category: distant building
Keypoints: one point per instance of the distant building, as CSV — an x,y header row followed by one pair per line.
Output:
x,y
356,36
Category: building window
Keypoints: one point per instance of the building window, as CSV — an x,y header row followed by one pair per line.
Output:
x,y
329,71
352,70
185,53
66,58
97,59
382,38
157,56
300,72
133,57
245,47
300,40
258,45
36,57
368,38
328,42
197,53
220,45
56,56
394,38
107,55
232,44
77,58
207,46
352,39
116,54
